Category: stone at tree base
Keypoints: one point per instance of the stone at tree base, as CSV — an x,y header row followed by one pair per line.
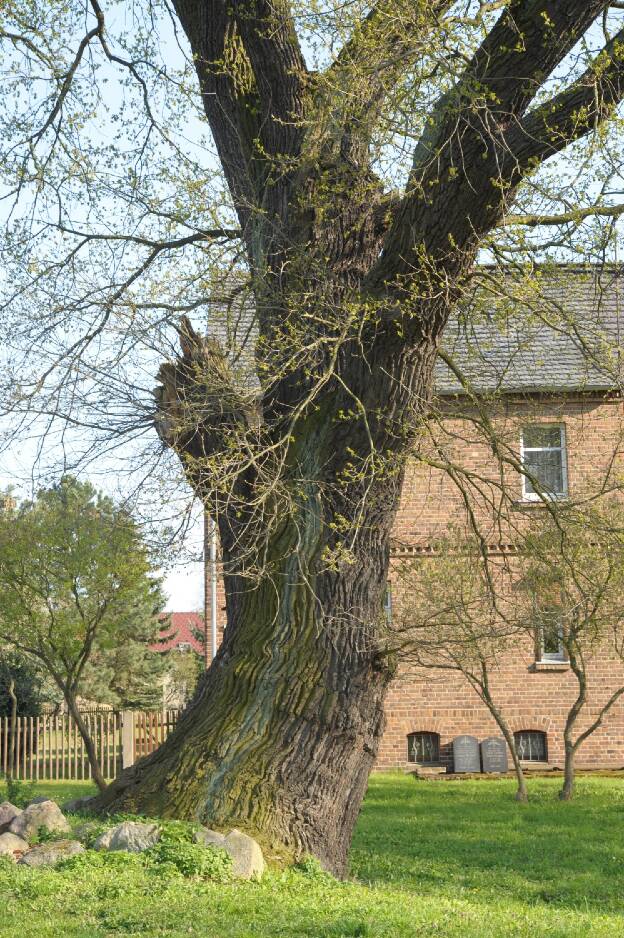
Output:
x,y
77,804
43,814
131,836
8,812
208,838
12,846
247,858
51,853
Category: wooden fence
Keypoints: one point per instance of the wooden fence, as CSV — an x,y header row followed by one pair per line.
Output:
x,y
50,747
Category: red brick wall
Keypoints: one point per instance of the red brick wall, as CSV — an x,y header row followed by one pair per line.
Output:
x,y
531,699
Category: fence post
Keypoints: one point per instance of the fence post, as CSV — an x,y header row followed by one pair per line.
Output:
x,y
127,738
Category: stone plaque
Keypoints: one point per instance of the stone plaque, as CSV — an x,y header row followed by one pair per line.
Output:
x,y
494,754
466,754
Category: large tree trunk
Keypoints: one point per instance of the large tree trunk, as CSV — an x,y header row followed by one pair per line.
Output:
x,y
282,734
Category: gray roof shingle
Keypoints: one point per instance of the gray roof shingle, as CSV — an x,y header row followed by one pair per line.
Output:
x,y
559,329
560,333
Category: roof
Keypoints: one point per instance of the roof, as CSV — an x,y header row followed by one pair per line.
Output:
x,y
554,329
561,331
181,628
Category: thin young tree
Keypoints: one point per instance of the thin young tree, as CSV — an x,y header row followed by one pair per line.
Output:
x,y
359,157
453,616
75,575
572,580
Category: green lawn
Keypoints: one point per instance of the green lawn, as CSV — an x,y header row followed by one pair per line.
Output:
x,y
442,858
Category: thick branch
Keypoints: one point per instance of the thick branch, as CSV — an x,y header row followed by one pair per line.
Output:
x,y
229,94
574,112
268,34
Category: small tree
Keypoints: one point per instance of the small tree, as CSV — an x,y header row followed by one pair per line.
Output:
x,y
572,583
454,616
183,671
129,674
75,576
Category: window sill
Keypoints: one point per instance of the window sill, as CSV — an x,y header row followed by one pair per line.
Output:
x,y
529,504
550,666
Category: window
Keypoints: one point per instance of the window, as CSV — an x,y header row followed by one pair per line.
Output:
x,y
543,455
550,636
423,748
184,646
531,746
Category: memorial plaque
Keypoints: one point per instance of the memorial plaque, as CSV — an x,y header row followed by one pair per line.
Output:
x,y
466,754
494,754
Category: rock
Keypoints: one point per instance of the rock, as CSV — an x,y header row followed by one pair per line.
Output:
x,y
8,812
43,814
12,846
51,853
247,858
131,836
208,838
77,804
39,800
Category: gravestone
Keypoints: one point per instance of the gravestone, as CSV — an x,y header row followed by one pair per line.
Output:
x,y
494,754
466,754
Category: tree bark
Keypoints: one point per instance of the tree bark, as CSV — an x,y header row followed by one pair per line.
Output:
x,y
284,730
96,771
567,791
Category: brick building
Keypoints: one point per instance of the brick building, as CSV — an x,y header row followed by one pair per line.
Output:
x,y
546,369
553,394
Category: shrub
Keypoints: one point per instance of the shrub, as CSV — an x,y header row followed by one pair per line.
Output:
x,y
192,859
20,793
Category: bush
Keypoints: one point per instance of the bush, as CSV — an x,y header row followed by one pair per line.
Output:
x,y
20,793
192,859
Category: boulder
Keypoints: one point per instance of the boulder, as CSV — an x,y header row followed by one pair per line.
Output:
x,y
208,838
8,811
38,800
77,804
12,846
51,853
42,814
247,859
131,836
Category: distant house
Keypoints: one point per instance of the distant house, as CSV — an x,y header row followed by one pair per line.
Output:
x,y
182,631
182,639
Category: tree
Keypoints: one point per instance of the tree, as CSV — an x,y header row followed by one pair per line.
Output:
x,y
454,616
74,576
359,194
127,674
572,581
183,672
27,680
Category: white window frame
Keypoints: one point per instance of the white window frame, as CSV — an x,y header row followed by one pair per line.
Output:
x,y
563,449
551,656
185,646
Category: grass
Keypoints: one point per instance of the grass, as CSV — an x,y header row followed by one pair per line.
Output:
x,y
444,858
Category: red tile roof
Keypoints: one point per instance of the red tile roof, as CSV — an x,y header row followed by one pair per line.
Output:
x,y
181,627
